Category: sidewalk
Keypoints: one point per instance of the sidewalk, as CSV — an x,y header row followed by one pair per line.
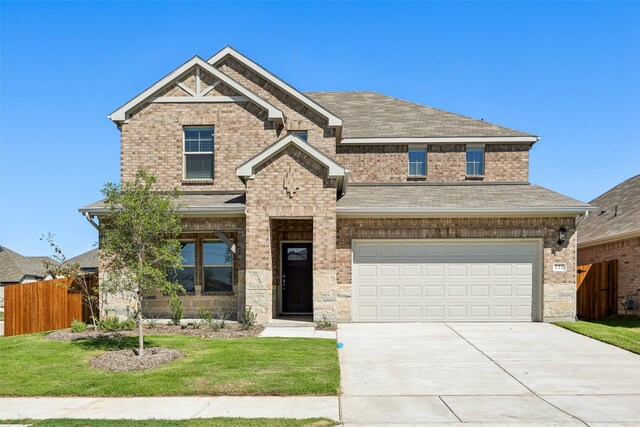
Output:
x,y
169,408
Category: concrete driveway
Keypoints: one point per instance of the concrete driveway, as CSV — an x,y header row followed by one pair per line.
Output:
x,y
489,373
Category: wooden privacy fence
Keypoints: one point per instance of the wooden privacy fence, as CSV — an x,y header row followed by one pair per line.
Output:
x,y
597,291
43,306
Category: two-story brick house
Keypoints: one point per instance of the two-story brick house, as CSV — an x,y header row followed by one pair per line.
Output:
x,y
351,205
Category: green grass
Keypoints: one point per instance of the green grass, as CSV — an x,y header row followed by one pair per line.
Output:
x,y
1,315
198,422
34,366
621,331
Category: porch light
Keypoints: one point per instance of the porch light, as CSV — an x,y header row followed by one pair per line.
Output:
x,y
562,235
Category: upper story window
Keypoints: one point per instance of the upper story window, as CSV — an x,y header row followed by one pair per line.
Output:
x,y
302,134
417,162
217,262
475,162
186,275
198,153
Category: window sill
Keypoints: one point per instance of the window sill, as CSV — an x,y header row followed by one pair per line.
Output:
x,y
417,178
196,181
474,177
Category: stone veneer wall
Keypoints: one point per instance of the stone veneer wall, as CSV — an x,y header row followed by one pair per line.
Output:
x,y
627,252
445,163
559,288
290,185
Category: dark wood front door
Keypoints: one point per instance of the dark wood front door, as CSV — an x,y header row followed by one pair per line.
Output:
x,y
297,278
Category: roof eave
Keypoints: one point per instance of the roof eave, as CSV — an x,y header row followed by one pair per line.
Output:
x,y
444,140
462,212
607,239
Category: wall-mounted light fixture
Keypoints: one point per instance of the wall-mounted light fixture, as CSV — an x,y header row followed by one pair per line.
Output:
x,y
562,235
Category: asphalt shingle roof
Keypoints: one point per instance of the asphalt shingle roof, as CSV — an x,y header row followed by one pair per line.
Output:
x,y
604,223
192,201
455,196
372,115
13,266
88,259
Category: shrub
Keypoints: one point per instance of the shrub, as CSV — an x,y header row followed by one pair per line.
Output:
x,y
113,324
222,315
248,318
109,324
128,325
78,326
324,323
152,321
175,306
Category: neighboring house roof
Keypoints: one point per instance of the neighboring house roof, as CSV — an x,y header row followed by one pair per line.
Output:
x,y
606,224
14,267
228,51
369,115
223,202
86,260
456,199
121,114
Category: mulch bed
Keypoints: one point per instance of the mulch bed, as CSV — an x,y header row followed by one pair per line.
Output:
x,y
231,330
128,360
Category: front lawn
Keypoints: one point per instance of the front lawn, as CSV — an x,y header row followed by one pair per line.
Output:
x,y
32,365
197,422
621,331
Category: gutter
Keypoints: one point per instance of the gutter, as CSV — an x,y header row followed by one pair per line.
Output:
x,y
212,210
448,212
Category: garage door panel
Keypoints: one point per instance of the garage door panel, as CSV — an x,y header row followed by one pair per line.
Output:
x,y
440,281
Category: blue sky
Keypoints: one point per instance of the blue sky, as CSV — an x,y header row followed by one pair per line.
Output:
x,y
569,72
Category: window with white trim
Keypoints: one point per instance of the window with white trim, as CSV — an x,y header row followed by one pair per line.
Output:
x,y
475,162
217,265
417,162
185,275
198,152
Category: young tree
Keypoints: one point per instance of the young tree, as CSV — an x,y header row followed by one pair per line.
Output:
x,y
61,266
139,240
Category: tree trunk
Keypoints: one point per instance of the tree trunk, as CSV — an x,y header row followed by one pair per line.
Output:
x,y
140,336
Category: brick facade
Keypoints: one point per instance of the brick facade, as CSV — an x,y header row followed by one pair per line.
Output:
x,y
291,198
627,252
445,163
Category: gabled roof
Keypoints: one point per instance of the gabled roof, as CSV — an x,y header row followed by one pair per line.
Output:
x,y
369,116
456,199
617,215
14,266
228,51
88,259
121,114
247,169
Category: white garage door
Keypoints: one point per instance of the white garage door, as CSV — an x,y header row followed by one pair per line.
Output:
x,y
436,280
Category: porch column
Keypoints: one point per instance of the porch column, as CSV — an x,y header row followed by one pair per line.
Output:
x,y
258,275
325,284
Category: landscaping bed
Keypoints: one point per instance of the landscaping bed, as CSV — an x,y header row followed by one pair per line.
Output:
x,y
619,330
33,365
196,422
231,330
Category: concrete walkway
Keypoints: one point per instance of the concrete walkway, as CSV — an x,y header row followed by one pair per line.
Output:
x,y
295,329
169,408
496,374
